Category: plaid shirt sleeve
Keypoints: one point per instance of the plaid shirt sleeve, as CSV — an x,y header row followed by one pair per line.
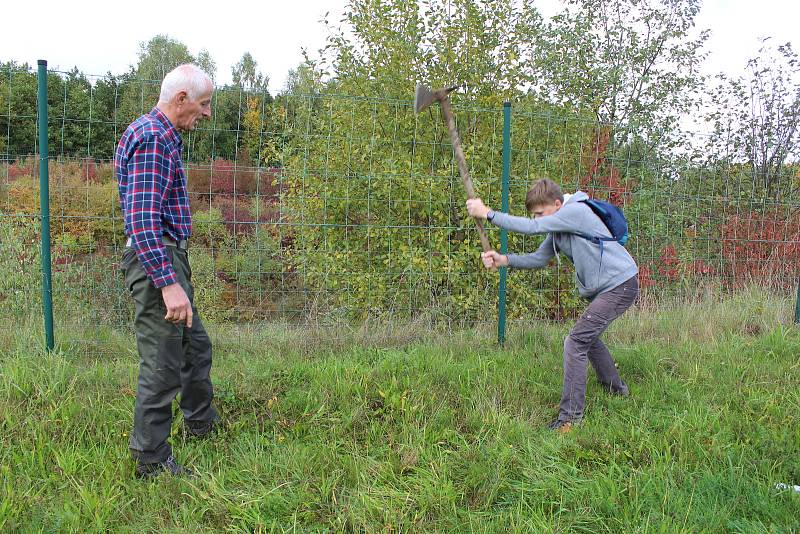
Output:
x,y
150,170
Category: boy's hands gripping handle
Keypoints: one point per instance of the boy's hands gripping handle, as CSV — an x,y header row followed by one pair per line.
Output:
x,y
493,259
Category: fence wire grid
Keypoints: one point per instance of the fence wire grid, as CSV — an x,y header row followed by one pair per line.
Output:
x,y
333,207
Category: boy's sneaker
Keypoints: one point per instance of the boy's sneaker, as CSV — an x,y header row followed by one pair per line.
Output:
x,y
169,465
562,427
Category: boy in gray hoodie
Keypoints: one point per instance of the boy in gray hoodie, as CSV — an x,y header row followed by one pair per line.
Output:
x,y
606,276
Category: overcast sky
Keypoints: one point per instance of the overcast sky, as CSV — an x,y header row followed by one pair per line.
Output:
x,y
99,36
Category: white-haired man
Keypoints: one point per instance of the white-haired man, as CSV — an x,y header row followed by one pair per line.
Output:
x,y
174,348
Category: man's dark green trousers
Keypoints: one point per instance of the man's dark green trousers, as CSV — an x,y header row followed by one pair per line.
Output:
x,y
172,359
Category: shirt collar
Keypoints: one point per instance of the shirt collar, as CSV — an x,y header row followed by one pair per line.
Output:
x,y
171,131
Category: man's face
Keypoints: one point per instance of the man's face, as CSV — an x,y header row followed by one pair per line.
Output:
x,y
543,210
191,112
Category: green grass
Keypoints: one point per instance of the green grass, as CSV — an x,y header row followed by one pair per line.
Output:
x,y
404,430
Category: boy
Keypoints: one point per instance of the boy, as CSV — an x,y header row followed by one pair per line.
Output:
x,y
607,276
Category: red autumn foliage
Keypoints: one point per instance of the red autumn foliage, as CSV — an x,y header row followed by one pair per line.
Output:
x,y
700,268
761,247
18,169
89,170
669,268
237,213
669,264
602,179
226,177
646,276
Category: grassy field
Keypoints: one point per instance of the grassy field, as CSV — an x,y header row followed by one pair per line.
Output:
x,y
396,429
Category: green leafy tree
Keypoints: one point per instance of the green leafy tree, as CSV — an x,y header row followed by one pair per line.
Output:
x,y
378,208
160,55
633,65
756,121
70,121
18,116
139,89
246,75
104,131
257,116
3,106
392,45
207,63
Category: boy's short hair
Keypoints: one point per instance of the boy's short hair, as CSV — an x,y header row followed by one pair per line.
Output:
x,y
543,191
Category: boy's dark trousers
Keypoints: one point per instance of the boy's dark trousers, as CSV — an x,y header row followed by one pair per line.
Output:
x,y
172,359
583,343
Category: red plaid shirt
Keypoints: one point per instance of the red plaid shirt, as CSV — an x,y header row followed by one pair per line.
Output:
x,y
152,191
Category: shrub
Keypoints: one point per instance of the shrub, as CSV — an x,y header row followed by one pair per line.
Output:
x,y
89,289
209,291
87,211
227,177
106,172
20,279
84,201
21,168
241,214
89,170
208,228
258,260
762,246
255,273
380,224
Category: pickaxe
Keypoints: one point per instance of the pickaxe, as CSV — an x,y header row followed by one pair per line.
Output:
x,y
424,98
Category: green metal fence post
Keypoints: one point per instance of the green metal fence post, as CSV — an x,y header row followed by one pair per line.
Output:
x,y
797,306
501,306
44,191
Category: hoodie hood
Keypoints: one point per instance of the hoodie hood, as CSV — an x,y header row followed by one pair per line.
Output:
x,y
577,196
569,198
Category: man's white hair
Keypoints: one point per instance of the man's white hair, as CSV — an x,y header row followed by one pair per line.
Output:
x,y
186,77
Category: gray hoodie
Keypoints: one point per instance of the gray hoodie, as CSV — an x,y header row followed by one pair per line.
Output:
x,y
595,274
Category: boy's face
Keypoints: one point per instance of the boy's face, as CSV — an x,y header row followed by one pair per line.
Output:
x,y
542,210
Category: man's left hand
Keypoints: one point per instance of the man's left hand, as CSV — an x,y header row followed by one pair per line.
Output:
x,y
476,208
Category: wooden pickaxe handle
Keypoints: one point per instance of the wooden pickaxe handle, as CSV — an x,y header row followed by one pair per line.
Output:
x,y
447,115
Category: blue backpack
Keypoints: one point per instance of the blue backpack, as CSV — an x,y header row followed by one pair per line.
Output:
x,y
614,220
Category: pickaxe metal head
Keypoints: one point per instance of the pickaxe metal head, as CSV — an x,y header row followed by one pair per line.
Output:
x,y
425,97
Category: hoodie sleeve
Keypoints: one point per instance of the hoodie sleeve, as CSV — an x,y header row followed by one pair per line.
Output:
x,y
534,260
567,220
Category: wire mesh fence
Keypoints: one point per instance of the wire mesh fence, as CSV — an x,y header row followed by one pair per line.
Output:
x,y
330,207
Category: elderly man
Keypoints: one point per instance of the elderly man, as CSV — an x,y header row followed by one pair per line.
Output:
x,y
174,349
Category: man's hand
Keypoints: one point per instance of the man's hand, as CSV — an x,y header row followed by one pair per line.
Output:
x,y
493,260
477,208
179,309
